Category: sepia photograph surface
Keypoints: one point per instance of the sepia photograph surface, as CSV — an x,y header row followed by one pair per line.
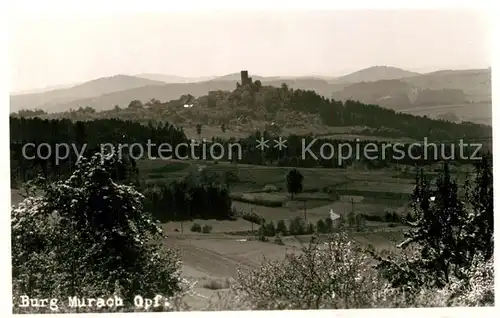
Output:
x,y
251,160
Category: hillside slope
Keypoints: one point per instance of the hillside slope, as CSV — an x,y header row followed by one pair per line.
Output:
x,y
465,88
88,89
476,84
167,78
173,91
442,88
376,73
253,106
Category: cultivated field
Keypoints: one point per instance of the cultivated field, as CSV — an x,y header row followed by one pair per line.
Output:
x,y
213,258
341,190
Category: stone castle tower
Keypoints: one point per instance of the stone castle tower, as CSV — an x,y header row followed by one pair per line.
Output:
x,y
244,78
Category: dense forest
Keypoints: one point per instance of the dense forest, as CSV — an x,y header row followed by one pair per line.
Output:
x,y
60,142
87,136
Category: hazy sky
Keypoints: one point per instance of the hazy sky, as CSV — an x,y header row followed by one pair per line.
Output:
x,y
52,50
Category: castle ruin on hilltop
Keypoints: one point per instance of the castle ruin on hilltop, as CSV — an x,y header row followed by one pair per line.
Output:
x,y
245,79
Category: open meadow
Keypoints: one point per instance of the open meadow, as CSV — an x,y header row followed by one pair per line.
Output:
x,y
212,258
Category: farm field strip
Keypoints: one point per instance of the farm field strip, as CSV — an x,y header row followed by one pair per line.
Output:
x,y
382,179
206,260
248,252
262,175
220,257
379,187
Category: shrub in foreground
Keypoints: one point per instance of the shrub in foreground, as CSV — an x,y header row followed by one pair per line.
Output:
x,y
330,275
206,228
196,228
268,229
89,236
339,275
281,228
297,226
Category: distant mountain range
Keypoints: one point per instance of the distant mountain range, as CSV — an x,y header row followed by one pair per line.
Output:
x,y
386,86
101,86
173,78
376,73
43,89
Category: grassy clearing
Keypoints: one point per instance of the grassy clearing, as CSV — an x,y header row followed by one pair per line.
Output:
x,y
252,177
170,167
308,196
250,252
375,195
248,177
380,186
386,178
309,204
208,132
165,170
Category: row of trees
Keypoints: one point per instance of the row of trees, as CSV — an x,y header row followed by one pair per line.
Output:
x,y
448,234
299,226
93,132
193,197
